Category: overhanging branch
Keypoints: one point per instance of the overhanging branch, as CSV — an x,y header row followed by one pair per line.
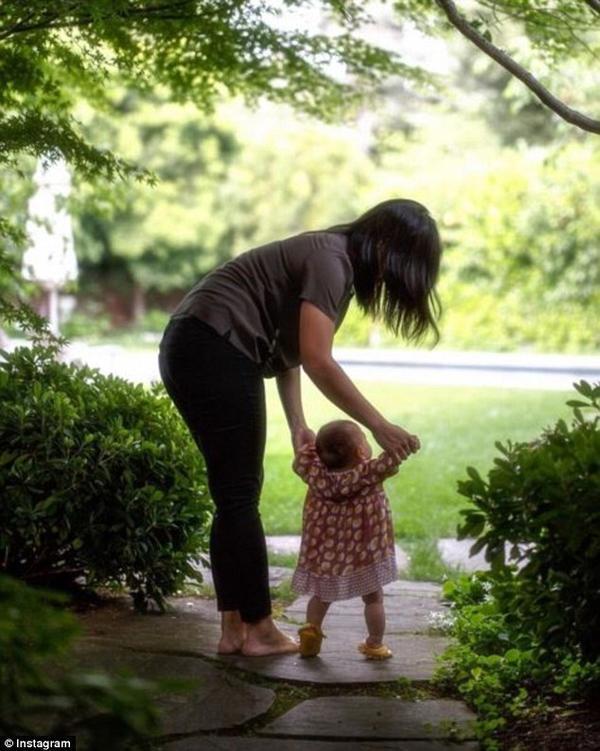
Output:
x,y
502,58
594,4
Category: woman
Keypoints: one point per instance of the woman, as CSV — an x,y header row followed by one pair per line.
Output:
x,y
264,314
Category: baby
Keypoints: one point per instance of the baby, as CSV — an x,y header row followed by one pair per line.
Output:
x,y
347,547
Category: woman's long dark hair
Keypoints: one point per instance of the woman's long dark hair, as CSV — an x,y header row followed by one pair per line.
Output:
x,y
395,250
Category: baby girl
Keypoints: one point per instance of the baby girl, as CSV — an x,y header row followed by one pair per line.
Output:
x,y
347,547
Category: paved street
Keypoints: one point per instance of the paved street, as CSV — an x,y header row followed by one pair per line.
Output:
x,y
419,367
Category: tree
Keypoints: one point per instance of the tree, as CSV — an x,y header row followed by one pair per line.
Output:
x,y
54,54
226,181
558,29
51,53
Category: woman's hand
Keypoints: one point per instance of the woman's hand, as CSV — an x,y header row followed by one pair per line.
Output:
x,y
316,338
396,441
301,436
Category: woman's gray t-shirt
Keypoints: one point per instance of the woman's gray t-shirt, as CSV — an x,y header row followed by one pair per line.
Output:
x,y
254,299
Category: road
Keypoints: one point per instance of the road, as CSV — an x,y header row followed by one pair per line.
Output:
x,y
431,368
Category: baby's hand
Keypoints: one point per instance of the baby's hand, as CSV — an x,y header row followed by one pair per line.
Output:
x,y
302,436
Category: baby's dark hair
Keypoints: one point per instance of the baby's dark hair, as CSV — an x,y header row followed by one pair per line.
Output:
x,y
336,444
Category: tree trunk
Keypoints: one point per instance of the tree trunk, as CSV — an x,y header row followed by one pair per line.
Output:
x,y
138,304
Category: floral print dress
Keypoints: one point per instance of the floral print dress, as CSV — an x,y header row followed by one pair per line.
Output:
x,y
347,546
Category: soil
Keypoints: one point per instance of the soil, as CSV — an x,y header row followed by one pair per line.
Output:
x,y
567,727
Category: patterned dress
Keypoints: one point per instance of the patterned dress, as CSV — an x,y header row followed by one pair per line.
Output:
x,y
347,546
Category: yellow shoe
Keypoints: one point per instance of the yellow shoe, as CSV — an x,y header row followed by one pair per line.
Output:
x,y
311,638
375,653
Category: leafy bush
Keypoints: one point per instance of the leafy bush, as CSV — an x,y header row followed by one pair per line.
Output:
x,y
542,497
499,667
35,635
527,640
98,477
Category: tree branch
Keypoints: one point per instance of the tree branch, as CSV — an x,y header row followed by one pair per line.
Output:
x,y
546,97
166,11
594,4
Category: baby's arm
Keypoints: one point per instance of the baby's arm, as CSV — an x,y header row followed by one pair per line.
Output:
x,y
382,467
305,459
372,472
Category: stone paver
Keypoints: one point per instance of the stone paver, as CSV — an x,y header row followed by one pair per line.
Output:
x,y
217,700
423,589
408,606
456,553
340,662
406,613
237,743
178,642
374,717
191,629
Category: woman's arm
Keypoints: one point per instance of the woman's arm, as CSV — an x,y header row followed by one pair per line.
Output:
x,y
316,339
288,386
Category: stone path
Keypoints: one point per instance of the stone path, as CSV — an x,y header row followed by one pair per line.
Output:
x,y
371,718
228,743
225,701
408,607
335,702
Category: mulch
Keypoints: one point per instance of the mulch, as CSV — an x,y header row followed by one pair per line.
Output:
x,y
566,727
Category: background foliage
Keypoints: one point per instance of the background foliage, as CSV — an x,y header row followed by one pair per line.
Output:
x,y
128,88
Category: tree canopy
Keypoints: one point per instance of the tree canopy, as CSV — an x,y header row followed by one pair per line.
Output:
x,y
55,55
51,53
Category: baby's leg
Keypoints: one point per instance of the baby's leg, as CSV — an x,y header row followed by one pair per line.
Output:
x,y
375,617
316,610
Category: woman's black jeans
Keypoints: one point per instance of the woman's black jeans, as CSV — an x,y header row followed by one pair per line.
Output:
x,y
220,394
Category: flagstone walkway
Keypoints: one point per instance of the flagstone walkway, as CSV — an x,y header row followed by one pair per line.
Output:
x,y
338,701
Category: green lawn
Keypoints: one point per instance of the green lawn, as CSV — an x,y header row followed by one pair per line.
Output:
x,y
457,428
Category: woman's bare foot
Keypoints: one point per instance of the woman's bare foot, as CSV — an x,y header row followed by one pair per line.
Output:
x,y
233,633
264,638
229,646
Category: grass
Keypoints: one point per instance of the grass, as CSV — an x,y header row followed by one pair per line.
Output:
x,y
425,561
457,427
287,560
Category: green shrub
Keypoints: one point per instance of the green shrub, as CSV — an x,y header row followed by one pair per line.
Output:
x,y
542,497
98,477
35,697
527,639
499,667
153,320
85,324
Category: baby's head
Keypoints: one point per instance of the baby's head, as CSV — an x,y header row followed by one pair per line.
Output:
x,y
341,444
